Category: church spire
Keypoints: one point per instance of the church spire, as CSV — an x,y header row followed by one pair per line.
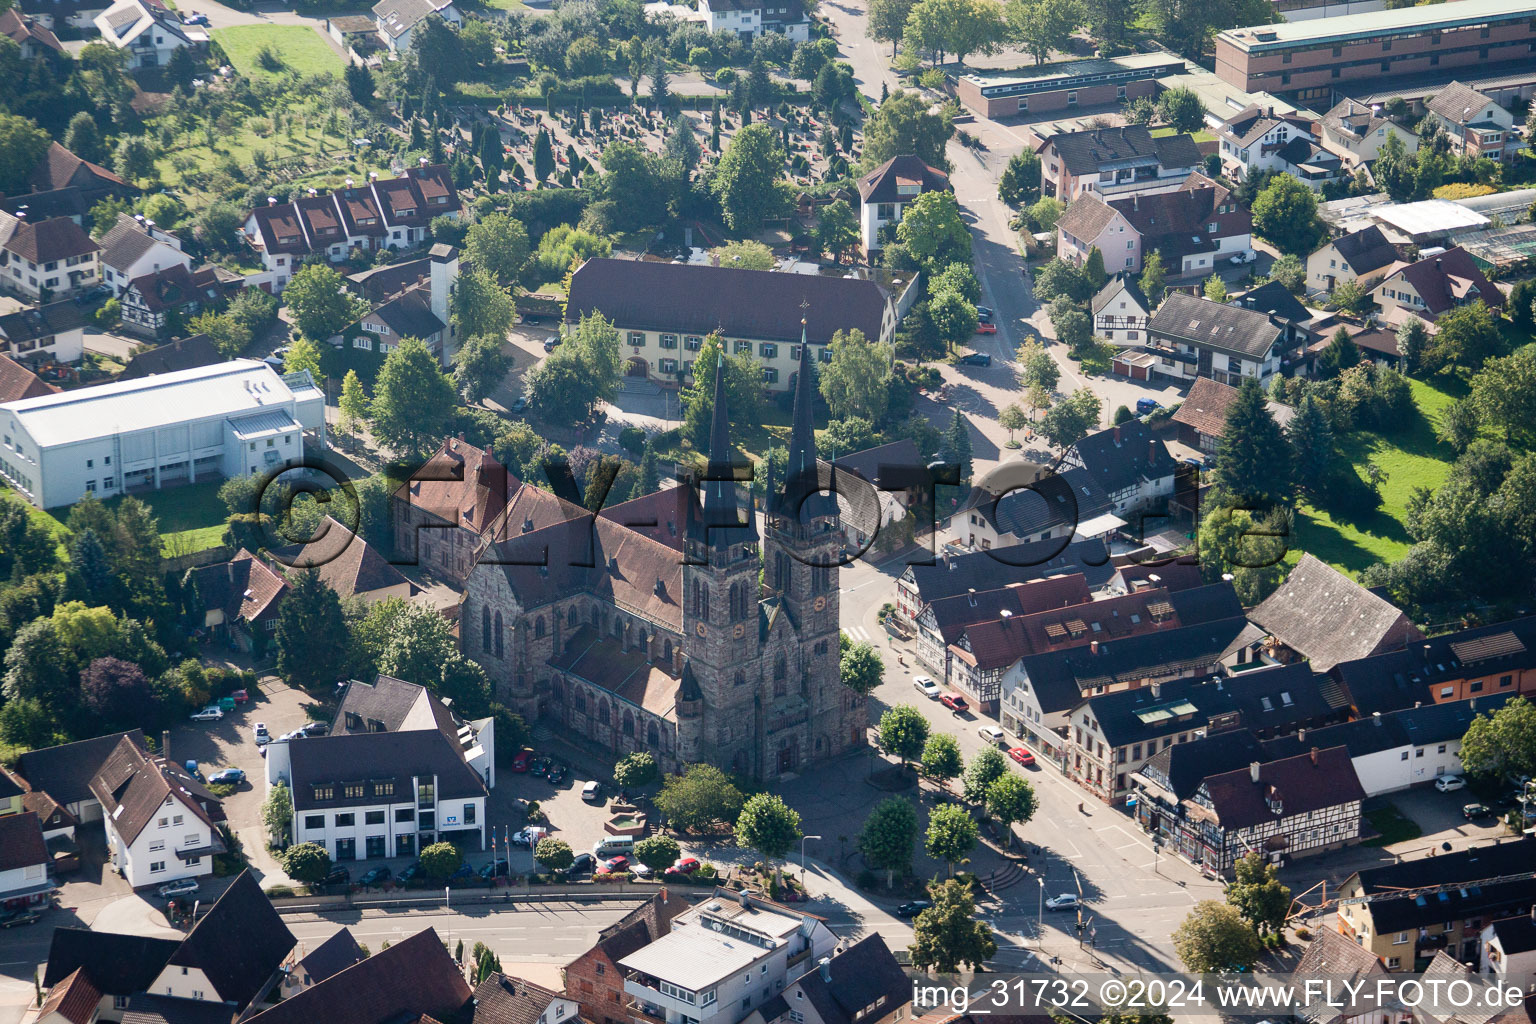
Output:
x,y
721,508
799,499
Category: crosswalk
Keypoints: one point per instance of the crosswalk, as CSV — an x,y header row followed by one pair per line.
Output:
x,y
858,634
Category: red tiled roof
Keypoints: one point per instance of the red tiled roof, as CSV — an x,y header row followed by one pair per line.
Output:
x,y
74,999
59,166
462,485
18,382
49,240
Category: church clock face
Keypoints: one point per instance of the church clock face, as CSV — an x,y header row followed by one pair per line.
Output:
x,y
819,603
739,630
701,629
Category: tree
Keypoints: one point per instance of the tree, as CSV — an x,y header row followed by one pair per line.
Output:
x,y
887,837
1458,424
1074,328
318,303
1290,272
1012,418
1036,367
556,855
353,404
543,156
481,306
768,825
1257,894
1020,181
1056,278
941,758
83,138
1012,801
582,374
1311,439
699,799
277,811
856,382
413,399
1412,344
1216,288
498,245
1045,212
309,620
749,179
860,668
888,20
1252,460
1340,355
1285,212
633,181
359,82
957,445
744,254
1214,938
117,693
947,935
1072,419
903,124
306,862
933,231
22,145
837,229
1502,743
951,834
635,769
985,768
303,354
1043,26
1504,395
658,852
903,732
440,860
1467,336
479,367
953,318
1093,270
1153,276
1181,107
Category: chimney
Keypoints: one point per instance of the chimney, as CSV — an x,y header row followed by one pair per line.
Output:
x,y
1136,201
1117,436
373,175
1437,263
165,745
422,161
1151,453
271,200
1301,734
1157,688
1093,646
825,966
1376,718
349,183
660,588
1253,771
1313,754
313,192
662,892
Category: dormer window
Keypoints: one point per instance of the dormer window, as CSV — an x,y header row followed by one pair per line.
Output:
x,y
908,190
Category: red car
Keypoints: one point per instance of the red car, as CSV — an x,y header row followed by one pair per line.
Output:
x,y
1022,756
614,865
984,327
522,759
240,696
686,866
954,703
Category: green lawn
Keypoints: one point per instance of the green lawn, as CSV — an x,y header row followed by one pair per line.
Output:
x,y
298,47
1411,458
1200,136
1393,826
46,521
191,518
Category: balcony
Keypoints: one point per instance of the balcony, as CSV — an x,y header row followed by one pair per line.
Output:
x,y
644,1013
800,957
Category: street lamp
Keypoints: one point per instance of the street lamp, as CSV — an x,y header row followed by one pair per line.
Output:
x,y
1040,919
802,859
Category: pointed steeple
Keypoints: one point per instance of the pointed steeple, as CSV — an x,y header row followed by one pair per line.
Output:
x,y
800,470
721,508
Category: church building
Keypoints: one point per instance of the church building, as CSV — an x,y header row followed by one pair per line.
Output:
x,y
652,632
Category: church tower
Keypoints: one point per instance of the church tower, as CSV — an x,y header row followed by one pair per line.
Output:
x,y
802,546
720,610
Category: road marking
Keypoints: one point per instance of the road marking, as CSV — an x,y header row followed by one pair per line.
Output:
x,y
856,632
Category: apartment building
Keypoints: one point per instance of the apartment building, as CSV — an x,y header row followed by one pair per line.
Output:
x,y
1355,132
1061,86
1196,337
1310,60
1115,161
721,960
750,19
1196,227
1499,658
47,259
663,312
885,192
161,824
1476,124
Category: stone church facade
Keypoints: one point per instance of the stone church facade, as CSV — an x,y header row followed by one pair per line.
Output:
x,y
646,627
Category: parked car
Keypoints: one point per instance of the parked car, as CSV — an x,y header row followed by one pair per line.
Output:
x,y
613,865
521,760
926,686
912,908
1450,783
551,344
976,359
228,776
1063,901
375,876
1146,405
557,774
640,870
409,873
1243,257
984,312
1022,756
1474,811
991,733
338,876
194,19
316,729
954,702
685,866
181,887
262,736
529,836
592,792
21,916
465,871
241,697
226,704
495,868
581,864
211,713
985,327
521,404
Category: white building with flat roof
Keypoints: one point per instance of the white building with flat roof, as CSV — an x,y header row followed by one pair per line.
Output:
x,y
226,420
722,960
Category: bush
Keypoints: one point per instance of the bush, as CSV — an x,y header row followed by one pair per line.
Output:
x,y
1304,934
867,879
632,439
278,892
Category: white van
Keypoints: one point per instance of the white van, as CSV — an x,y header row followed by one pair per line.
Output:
x,y
612,846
